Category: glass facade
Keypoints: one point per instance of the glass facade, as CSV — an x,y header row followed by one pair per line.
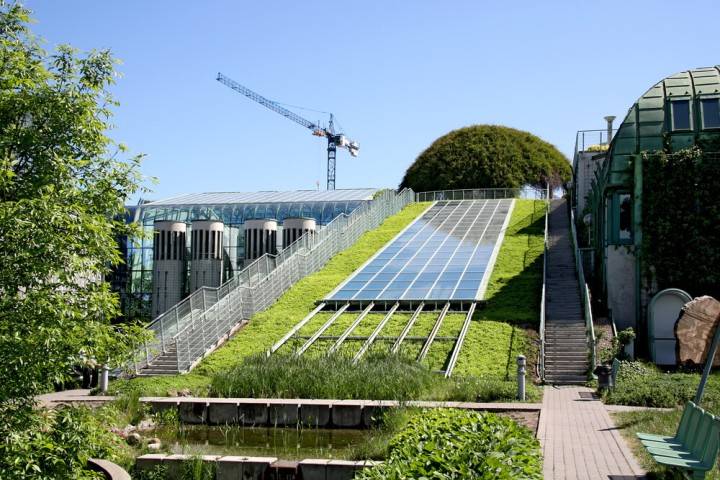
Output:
x,y
134,280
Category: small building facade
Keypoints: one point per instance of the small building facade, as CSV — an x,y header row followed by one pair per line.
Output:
x,y
679,112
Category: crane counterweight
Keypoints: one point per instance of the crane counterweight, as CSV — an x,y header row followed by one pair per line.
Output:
x,y
335,140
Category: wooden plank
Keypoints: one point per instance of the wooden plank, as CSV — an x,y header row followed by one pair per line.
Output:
x,y
433,333
458,343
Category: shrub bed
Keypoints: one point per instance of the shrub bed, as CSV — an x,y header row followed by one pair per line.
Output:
x,y
445,443
642,384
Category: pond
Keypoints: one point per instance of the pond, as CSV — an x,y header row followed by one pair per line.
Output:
x,y
283,443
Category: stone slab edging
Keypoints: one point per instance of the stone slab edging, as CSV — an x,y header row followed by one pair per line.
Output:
x,y
311,412
110,470
235,467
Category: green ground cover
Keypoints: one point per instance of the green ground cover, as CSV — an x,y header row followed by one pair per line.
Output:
x,y
268,326
497,333
641,384
445,443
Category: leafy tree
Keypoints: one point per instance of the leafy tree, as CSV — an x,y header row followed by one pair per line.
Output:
x,y
487,156
63,184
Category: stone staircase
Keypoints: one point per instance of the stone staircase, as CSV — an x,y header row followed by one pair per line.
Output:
x,y
566,348
164,364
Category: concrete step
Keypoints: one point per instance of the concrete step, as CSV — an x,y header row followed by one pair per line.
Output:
x,y
566,379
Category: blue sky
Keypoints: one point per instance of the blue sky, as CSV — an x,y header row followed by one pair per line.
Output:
x,y
396,74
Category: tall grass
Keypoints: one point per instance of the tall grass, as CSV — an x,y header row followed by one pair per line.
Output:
x,y
377,377
284,376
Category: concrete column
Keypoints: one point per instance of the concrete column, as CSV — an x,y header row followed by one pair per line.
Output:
x,y
207,254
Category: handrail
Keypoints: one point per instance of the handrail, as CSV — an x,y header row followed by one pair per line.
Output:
x,y
584,292
477,194
541,363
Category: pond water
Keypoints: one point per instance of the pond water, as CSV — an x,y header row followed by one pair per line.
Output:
x,y
284,443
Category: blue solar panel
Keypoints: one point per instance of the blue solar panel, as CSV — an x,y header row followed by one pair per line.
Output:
x,y
443,255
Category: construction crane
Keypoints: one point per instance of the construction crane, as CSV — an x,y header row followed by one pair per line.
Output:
x,y
334,139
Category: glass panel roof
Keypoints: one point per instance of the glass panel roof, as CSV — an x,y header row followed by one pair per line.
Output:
x,y
216,198
445,254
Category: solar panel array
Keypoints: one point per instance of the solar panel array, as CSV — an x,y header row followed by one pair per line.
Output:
x,y
443,255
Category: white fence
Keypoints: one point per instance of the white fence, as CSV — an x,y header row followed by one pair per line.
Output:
x,y
200,321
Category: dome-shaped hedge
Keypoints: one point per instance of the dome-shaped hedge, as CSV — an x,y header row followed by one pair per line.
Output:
x,y
487,156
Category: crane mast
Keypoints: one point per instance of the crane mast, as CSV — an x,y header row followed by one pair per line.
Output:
x,y
335,140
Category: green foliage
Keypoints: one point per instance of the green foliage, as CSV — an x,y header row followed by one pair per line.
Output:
x,y
375,377
487,156
644,385
62,191
513,298
267,327
157,473
53,443
680,212
196,469
279,376
444,444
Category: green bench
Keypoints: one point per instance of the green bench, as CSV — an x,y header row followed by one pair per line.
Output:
x,y
694,447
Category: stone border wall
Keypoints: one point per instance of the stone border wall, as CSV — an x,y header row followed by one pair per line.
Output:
x,y
258,468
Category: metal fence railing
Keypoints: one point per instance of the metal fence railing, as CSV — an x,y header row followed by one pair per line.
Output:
x,y
541,362
528,192
200,321
584,293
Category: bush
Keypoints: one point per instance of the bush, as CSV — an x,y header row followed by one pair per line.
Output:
x,y
487,156
640,384
445,443
42,444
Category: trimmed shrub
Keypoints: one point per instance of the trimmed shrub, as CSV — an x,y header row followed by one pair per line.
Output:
x,y
643,385
446,443
487,156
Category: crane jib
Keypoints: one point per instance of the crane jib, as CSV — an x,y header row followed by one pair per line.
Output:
x,y
334,139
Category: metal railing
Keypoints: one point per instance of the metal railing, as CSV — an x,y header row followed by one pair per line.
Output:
x,y
469,194
208,315
584,294
541,362
587,138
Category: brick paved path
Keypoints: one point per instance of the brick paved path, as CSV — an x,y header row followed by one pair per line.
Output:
x,y
580,441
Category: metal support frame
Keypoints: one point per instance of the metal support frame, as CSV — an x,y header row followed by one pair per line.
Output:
x,y
406,330
350,329
433,333
321,330
375,333
332,152
460,339
708,363
295,329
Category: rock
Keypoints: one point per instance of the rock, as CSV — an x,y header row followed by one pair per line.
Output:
x,y
185,392
154,440
145,425
695,329
154,447
134,439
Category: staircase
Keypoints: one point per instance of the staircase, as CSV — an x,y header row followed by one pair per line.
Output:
x,y
566,347
163,364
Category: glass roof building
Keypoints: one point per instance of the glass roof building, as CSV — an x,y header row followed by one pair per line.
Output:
x,y
134,280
